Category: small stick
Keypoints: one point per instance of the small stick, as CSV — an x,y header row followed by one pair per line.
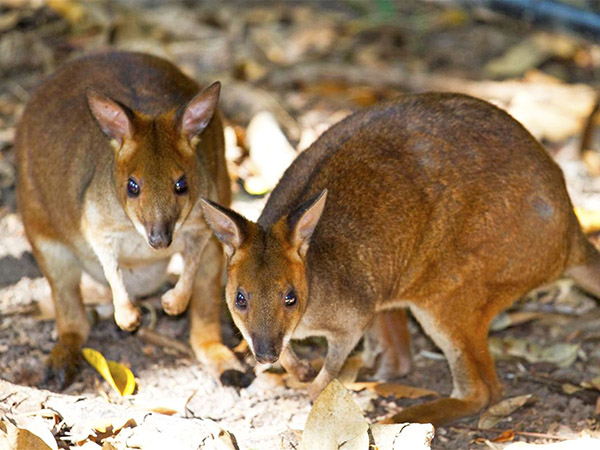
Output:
x,y
520,433
155,338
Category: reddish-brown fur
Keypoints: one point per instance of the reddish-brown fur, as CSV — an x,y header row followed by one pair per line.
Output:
x,y
95,124
441,203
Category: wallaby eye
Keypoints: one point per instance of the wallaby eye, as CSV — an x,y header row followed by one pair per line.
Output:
x,y
290,298
240,301
133,189
181,186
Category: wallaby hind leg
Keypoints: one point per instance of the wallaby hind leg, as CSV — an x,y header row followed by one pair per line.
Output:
x,y
387,345
205,325
476,384
63,271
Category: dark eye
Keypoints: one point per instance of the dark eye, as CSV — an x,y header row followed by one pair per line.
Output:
x,y
181,186
240,301
290,298
133,189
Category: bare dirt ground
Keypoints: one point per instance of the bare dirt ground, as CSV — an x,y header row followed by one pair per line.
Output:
x,y
309,65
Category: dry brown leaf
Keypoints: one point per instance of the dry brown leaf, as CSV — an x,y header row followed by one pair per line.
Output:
x,y
335,422
395,389
506,436
13,437
500,411
561,354
270,152
570,389
349,372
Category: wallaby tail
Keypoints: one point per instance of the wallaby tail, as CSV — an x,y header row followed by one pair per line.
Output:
x,y
586,272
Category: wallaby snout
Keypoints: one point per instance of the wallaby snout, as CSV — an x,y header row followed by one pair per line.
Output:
x,y
160,236
266,349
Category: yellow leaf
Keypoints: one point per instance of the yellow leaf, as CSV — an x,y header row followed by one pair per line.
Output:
x,y
117,375
589,219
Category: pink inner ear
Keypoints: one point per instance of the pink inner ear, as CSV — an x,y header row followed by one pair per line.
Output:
x,y
200,111
110,116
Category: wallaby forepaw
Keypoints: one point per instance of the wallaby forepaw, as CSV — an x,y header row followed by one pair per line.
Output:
x,y
127,318
314,390
173,302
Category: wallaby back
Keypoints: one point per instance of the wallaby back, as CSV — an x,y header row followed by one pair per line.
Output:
x,y
437,202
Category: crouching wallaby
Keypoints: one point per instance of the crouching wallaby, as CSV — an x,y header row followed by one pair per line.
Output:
x,y
114,152
441,203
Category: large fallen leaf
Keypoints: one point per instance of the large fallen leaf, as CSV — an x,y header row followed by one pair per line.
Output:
x,y
270,152
15,438
563,355
500,411
117,375
400,436
335,422
395,389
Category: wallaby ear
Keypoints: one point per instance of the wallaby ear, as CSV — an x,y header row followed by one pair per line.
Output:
x,y
227,225
113,118
200,110
304,220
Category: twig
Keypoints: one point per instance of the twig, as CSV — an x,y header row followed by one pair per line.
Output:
x,y
154,338
589,395
520,433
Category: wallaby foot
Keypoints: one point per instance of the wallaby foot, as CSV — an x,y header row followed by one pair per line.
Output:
x,y
216,357
63,363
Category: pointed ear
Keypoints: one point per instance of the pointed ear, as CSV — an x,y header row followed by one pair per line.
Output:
x,y
200,110
227,225
304,220
113,118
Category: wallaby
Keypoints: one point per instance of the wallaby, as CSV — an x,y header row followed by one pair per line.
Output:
x,y
441,203
114,152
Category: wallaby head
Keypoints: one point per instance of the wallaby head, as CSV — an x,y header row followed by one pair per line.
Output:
x,y
156,173
267,291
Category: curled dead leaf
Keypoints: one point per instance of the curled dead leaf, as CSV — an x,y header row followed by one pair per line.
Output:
x,y
117,375
501,410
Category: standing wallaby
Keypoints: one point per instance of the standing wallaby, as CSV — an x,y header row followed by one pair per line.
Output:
x,y
441,203
114,151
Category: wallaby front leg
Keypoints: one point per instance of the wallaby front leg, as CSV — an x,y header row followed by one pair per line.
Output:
x,y
205,324
338,349
127,316
293,365
176,300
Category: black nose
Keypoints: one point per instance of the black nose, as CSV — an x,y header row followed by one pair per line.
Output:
x,y
265,351
160,237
